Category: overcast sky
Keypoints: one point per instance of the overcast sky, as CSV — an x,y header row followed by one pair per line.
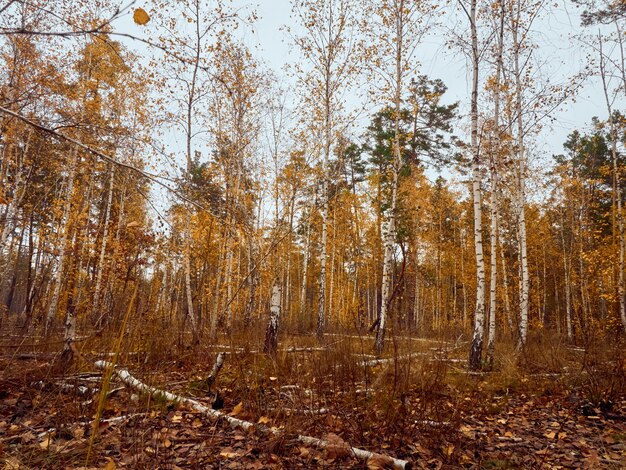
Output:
x,y
560,53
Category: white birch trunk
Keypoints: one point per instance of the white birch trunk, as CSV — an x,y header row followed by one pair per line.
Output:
x,y
521,155
491,336
271,334
389,228
476,348
105,236
11,211
305,271
495,148
321,306
523,326
187,267
505,286
65,226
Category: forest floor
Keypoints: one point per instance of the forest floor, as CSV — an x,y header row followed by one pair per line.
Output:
x,y
557,407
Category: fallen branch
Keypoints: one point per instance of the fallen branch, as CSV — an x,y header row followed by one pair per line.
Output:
x,y
304,411
377,362
64,387
128,379
293,349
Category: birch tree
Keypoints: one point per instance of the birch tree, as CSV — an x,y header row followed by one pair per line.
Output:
x,y
395,33
495,144
330,50
190,31
476,348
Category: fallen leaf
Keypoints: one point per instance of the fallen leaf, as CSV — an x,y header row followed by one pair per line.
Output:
x,y
337,447
45,444
228,454
380,462
264,420
237,409
110,465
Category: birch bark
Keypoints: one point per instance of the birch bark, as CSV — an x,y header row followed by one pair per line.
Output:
x,y
476,347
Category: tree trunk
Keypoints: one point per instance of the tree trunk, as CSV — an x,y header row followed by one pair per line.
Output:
x,y
475,356
271,334
521,202
62,245
305,270
493,236
105,236
389,229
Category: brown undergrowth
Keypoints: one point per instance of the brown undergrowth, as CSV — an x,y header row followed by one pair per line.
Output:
x,y
555,404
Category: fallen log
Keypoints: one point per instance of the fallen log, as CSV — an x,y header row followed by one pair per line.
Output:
x,y
131,381
377,362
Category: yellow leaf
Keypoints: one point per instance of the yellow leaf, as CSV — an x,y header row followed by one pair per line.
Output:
x,y
237,409
110,465
550,435
264,420
45,444
140,16
467,431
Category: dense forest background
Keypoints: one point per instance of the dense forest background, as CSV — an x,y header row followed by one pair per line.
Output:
x,y
164,162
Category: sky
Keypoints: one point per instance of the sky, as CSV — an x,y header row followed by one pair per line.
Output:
x,y
560,53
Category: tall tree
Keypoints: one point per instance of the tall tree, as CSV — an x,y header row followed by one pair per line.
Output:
x,y
476,348
396,31
329,47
